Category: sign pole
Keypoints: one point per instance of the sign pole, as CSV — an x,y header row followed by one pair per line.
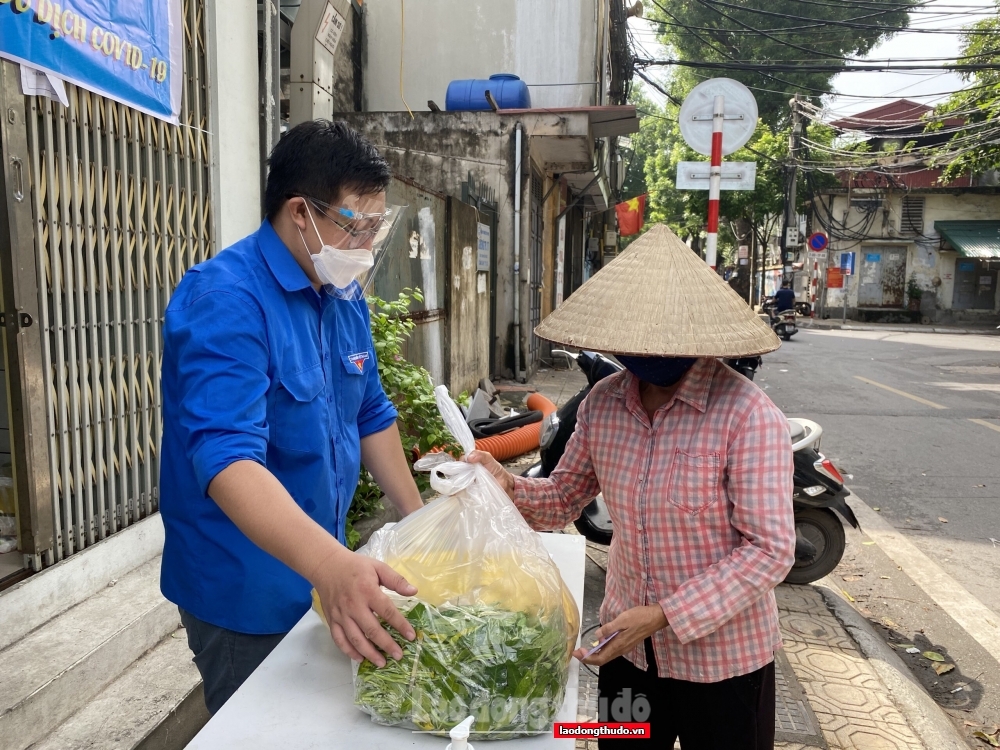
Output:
x,y
715,181
847,286
815,286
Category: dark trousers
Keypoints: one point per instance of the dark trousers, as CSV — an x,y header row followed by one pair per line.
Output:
x,y
224,657
735,714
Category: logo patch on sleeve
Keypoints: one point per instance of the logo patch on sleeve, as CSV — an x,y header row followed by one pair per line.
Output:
x,y
358,360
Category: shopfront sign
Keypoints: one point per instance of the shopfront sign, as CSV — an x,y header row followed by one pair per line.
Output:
x,y
131,52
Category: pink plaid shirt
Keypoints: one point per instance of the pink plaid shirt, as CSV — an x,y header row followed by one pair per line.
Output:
x,y
701,502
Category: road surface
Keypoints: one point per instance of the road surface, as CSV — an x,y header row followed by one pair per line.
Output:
x,y
913,421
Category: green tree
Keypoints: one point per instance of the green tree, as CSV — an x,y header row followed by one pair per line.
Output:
x,y
974,148
771,31
421,427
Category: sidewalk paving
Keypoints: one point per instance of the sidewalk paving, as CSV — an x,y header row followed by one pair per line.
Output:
x,y
829,697
836,325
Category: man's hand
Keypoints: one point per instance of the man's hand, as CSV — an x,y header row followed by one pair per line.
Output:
x,y
348,587
347,583
503,477
635,624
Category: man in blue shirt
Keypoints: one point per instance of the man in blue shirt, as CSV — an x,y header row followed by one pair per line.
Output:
x,y
271,401
784,298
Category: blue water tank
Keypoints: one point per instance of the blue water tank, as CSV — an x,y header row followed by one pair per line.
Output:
x,y
509,91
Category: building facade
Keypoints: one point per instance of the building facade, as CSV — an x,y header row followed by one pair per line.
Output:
x,y
925,249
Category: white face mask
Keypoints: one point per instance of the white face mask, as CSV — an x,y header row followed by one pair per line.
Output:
x,y
338,268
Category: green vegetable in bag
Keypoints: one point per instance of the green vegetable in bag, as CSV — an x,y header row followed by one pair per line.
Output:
x,y
506,669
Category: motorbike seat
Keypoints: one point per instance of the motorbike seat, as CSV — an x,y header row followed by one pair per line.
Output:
x,y
797,430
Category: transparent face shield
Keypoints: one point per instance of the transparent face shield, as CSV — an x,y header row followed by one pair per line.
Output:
x,y
366,232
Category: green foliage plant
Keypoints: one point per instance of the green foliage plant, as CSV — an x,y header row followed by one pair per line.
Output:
x,y
411,390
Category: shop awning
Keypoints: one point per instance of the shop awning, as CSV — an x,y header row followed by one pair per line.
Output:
x,y
973,239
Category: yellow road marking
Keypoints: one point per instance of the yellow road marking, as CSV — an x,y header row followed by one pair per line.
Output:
x,y
984,423
898,392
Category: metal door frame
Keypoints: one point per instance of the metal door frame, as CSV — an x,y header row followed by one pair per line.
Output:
x,y
483,198
877,283
883,250
22,345
104,209
536,231
987,269
887,264
955,287
980,267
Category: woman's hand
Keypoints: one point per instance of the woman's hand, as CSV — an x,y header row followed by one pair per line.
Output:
x,y
503,477
635,626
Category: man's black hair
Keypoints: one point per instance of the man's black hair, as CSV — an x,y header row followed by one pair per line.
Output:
x,y
318,159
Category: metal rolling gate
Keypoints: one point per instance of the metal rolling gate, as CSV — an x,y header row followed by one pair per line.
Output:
x,y
120,209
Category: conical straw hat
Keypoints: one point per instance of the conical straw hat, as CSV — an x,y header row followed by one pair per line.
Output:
x,y
659,298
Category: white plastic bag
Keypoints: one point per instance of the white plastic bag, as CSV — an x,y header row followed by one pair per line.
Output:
x,y
495,623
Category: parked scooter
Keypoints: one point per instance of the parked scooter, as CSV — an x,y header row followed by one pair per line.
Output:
x,y
819,487
782,323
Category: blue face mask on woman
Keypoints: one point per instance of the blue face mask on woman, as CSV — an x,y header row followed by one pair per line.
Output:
x,y
661,371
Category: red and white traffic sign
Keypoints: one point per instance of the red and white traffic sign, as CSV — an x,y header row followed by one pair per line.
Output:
x,y
731,110
817,242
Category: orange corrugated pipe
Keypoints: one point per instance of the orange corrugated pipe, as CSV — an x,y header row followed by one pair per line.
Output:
x,y
523,439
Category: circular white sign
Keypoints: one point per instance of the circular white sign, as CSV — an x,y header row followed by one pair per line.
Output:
x,y
740,115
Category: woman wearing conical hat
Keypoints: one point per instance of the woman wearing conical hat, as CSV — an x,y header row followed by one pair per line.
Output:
x,y
695,465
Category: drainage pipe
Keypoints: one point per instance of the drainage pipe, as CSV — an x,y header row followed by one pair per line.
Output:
x,y
517,251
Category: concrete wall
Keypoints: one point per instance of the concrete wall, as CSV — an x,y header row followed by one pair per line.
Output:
x,y
440,152
541,41
417,257
932,268
234,120
434,250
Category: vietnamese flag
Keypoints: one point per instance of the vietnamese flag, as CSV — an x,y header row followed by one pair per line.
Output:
x,y
630,216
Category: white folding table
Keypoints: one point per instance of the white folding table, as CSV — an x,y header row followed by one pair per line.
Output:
x,y
302,697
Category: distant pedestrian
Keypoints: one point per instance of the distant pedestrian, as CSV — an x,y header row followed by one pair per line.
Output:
x,y
695,464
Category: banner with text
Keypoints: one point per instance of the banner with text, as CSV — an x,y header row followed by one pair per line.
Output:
x,y
128,51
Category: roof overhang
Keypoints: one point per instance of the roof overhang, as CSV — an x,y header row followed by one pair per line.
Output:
x,y
605,122
563,143
973,239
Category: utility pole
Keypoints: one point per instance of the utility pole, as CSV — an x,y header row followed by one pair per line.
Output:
x,y
789,235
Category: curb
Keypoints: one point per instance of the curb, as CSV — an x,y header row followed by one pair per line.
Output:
x,y
926,717
901,329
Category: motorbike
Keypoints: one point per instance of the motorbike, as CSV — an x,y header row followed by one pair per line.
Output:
x,y
819,497
782,323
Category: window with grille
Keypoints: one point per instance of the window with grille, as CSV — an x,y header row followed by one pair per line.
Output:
x,y
911,221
